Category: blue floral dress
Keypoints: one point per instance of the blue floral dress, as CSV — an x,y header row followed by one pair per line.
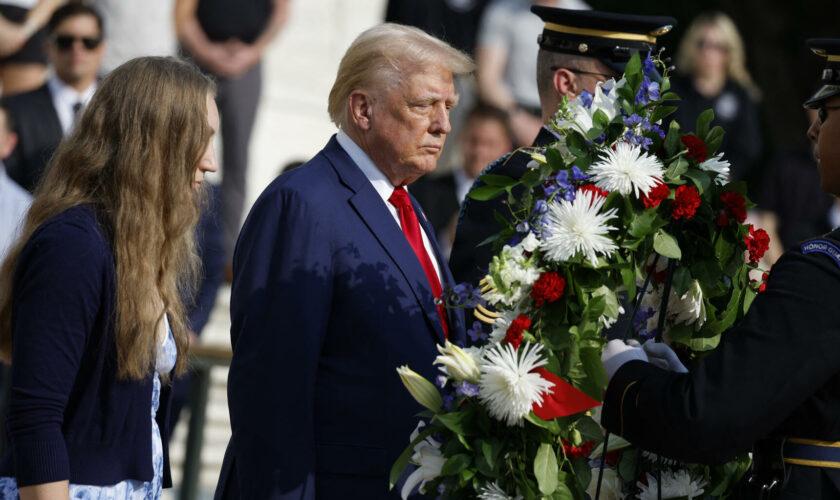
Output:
x,y
129,489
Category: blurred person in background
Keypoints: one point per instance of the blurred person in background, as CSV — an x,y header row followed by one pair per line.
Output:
x,y
506,57
712,74
136,29
23,63
44,115
486,135
14,200
91,309
227,38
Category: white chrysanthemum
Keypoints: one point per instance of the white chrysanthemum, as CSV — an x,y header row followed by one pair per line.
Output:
x,y
578,227
508,387
610,485
678,484
627,169
718,166
492,491
429,460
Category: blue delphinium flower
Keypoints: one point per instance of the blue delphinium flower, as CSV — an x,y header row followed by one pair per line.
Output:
x,y
649,91
465,388
600,139
465,295
632,120
577,174
540,207
647,125
647,65
640,323
476,333
523,227
586,98
448,401
441,381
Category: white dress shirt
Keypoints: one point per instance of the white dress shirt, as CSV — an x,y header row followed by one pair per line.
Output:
x,y
14,203
64,97
383,187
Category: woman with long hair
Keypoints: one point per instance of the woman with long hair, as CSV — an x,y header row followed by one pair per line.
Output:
x,y
712,74
91,309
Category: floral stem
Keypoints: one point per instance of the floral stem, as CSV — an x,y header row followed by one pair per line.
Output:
x,y
663,309
639,295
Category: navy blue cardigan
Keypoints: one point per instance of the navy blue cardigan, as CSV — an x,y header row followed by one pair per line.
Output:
x,y
70,417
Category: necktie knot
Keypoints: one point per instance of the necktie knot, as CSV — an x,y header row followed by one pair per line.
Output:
x,y
399,198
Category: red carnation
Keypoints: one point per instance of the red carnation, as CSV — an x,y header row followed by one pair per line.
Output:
x,y
548,288
656,194
514,332
763,285
582,451
686,201
735,205
757,243
722,220
696,147
594,189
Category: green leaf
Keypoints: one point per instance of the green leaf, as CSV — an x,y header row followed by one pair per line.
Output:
x,y
749,296
633,72
661,112
554,158
703,122
666,245
589,429
545,469
402,461
497,180
643,224
627,464
600,120
672,140
677,168
456,422
700,178
484,193
532,178
562,493
550,425
681,281
670,96
490,451
576,144
713,140
583,473
596,380
455,464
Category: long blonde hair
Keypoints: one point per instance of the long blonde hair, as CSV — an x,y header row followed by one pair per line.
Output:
x,y
133,156
736,67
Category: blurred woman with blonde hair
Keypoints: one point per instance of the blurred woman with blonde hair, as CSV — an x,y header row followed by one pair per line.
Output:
x,y
91,313
712,74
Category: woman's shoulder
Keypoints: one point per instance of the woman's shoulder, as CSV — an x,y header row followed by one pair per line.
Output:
x,y
75,230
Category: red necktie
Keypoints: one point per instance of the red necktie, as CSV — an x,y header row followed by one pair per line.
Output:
x,y
411,228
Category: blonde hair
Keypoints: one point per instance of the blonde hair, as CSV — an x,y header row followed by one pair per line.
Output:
x,y
132,157
736,67
381,57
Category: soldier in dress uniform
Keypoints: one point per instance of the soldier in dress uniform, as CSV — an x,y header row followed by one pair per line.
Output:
x,y
578,49
773,385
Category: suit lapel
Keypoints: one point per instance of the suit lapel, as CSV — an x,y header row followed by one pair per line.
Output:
x,y
370,207
52,123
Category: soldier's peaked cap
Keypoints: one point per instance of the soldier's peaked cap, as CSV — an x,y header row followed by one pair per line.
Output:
x,y
830,49
611,37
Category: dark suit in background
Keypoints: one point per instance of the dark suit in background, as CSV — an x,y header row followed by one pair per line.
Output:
x,y
39,133
439,198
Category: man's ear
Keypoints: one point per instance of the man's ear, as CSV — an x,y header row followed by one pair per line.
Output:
x,y
361,109
6,149
565,83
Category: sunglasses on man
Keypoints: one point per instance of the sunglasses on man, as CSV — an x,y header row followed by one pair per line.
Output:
x,y
65,42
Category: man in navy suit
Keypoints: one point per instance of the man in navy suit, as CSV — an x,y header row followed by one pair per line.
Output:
x,y
75,49
337,281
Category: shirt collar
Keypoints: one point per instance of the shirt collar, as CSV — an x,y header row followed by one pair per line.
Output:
x,y
64,97
376,177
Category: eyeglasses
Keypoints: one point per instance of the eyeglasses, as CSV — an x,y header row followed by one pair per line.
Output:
x,y
706,44
822,112
65,42
582,72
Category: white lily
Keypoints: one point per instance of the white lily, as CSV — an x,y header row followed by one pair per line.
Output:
x,y
421,389
457,363
429,460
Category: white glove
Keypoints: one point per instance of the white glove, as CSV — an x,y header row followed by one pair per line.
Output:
x,y
659,354
617,352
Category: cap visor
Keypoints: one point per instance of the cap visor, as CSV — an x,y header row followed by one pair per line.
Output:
x,y
822,94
